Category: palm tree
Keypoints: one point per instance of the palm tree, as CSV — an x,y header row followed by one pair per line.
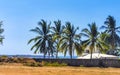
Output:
x,y
111,29
57,31
93,41
43,40
1,31
102,38
69,40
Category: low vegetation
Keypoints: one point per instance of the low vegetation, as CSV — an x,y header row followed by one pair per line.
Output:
x,y
28,62
57,64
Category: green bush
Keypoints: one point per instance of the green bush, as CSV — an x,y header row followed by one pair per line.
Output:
x,y
3,56
33,64
81,65
53,64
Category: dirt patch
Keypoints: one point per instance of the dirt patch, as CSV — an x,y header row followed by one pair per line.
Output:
x,y
24,70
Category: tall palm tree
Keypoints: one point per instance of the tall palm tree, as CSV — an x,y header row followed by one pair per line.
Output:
x,y
43,41
111,29
1,31
93,42
57,31
69,40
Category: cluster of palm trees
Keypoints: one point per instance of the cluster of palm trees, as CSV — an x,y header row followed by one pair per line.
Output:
x,y
63,38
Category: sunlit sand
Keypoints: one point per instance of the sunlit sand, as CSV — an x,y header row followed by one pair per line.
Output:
x,y
15,69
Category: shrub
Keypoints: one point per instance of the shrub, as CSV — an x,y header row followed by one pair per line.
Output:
x,y
28,60
53,64
4,58
81,65
43,63
32,64
15,60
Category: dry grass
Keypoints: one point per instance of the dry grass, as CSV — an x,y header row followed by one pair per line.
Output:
x,y
18,69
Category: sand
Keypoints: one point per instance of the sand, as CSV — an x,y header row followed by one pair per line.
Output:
x,y
25,70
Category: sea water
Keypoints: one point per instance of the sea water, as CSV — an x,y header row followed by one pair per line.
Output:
x,y
39,56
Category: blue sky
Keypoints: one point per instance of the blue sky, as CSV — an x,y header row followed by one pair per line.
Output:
x,y
19,16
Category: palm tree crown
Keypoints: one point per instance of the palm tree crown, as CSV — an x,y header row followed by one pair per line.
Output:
x,y
57,32
69,40
111,29
43,40
93,42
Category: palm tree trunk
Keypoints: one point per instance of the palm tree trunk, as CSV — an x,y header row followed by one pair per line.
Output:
x,y
70,52
49,55
91,54
57,51
56,54
113,40
70,48
44,55
73,53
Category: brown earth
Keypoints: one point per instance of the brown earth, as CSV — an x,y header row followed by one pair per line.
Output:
x,y
18,69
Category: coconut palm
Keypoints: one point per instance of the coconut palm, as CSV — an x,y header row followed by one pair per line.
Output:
x,y
102,38
69,40
111,29
93,41
43,41
57,31
1,31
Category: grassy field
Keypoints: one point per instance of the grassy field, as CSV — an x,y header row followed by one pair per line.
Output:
x,y
24,70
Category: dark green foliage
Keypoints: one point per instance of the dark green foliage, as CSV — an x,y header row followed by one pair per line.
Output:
x,y
70,40
43,41
33,64
94,39
111,29
50,40
56,64
57,31
1,31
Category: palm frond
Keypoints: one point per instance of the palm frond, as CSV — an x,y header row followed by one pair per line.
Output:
x,y
78,47
85,35
103,27
86,31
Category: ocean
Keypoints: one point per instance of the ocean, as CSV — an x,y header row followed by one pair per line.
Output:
x,y
39,56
